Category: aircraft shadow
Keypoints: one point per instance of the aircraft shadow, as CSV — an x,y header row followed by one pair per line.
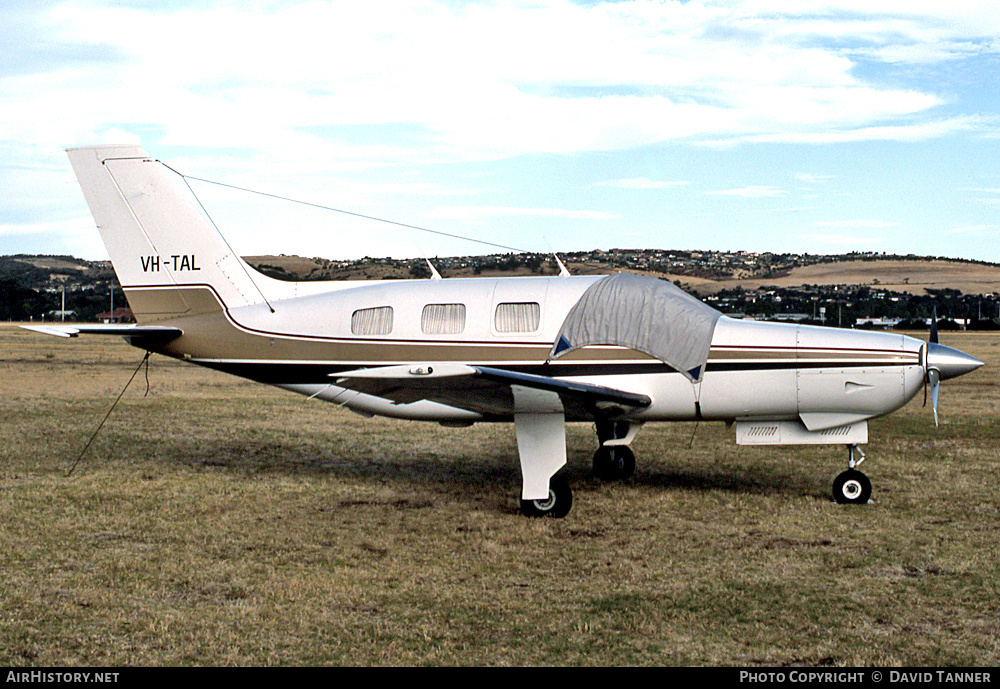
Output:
x,y
457,474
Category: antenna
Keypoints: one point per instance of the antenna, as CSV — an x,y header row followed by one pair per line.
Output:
x,y
339,210
563,273
435,275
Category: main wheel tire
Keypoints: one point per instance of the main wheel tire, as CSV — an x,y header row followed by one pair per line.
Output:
x,y
614,462
852,488
557,505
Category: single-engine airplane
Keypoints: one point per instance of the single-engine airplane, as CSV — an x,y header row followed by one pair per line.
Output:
x,y
618,350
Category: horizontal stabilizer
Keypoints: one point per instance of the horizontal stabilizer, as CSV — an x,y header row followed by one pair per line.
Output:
x,y
148,332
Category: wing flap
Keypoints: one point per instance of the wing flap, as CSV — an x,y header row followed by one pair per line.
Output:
x,y
587,392
483,389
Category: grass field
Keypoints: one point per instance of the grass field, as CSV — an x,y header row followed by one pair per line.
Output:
x,y
216,521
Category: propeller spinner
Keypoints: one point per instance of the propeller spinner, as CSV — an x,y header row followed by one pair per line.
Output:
x,y
942,363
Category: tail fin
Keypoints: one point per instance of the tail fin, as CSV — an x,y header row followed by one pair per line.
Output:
x,y
160,241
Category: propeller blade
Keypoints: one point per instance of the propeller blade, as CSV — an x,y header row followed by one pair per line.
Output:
x,y
934,378
934,328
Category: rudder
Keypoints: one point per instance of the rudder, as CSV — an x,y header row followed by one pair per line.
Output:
x,y
159,239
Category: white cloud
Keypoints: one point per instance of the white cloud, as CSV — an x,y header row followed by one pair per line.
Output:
x,y
307,98
640,183
848,224
752,192
11,230
483,212
467,82
812,179
908,132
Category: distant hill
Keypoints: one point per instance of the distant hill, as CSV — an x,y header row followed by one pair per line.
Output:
x,y
909,275
913,275
33,286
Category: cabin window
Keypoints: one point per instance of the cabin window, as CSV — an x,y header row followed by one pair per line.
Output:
x,y
443,319
376,321
518,317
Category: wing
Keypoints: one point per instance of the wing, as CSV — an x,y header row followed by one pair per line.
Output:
x,y
484,389
155,333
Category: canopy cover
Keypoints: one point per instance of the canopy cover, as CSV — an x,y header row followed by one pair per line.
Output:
x,y
645,314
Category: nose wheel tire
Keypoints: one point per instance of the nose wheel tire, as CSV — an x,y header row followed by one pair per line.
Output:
x,y
557,505
852,488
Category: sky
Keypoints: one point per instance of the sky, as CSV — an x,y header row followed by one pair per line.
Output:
x,y
821,126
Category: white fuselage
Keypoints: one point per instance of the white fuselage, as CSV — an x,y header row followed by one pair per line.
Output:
x,y
756,371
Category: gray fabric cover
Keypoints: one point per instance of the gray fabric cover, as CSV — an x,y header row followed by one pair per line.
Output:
x,y
645,314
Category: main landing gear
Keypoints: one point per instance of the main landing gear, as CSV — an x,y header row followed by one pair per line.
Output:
x,y
539,439
852,487
613,462
557,505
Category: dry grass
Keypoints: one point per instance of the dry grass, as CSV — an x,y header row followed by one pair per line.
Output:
x,y
221,522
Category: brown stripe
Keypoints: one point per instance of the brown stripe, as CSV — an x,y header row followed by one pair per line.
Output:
x,y
210,333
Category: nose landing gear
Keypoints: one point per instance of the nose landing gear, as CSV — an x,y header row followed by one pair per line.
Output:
x,y
852,487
